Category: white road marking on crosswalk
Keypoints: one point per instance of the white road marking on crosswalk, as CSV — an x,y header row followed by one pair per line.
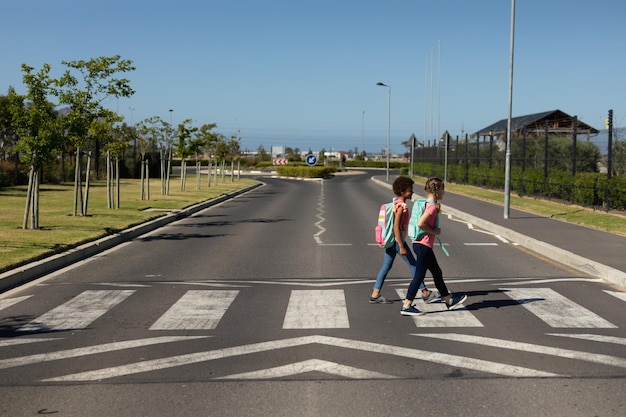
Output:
x,y
528,347
191,358
550,280
8,302
24,341
91,350
316,309
437,314
79,312
556,310
617,294
311,365
593,338
196,310
481,244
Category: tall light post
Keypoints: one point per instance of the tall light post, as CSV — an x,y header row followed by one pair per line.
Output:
x,y
388,125
507,155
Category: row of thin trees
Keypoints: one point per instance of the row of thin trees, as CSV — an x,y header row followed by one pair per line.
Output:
x,y
67,116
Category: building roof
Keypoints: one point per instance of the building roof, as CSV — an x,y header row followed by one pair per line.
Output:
x,y
535,124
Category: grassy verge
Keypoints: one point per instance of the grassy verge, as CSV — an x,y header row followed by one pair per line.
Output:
x,y
597,219
60,230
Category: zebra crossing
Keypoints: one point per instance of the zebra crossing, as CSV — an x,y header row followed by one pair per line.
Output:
x,y
306,309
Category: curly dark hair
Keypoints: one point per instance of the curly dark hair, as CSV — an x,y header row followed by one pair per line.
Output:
x,y
402,183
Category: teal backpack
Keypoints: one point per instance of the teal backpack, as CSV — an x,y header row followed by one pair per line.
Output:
x,y
415,233
384,228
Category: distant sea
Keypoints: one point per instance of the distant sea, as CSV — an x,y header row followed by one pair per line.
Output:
x,y
601,140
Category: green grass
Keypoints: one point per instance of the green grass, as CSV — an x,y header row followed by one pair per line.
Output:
x,y
610,222
60,230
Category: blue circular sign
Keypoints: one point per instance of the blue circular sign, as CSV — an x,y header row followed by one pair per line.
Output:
x,y
311,159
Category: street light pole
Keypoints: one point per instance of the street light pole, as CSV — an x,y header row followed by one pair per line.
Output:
x,y
388,125
507,155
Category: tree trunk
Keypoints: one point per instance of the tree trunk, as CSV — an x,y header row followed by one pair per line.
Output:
x,y
86,201
29,198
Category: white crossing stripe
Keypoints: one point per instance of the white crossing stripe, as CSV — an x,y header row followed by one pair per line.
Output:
x,y
437,314
10,301
196,310
594,338
23,341
79,312
556,310
316,309
620,295
528,347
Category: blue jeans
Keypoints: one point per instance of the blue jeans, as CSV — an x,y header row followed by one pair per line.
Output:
x,y
390,256
426,260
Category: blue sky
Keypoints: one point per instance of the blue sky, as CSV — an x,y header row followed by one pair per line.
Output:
x,y
303,74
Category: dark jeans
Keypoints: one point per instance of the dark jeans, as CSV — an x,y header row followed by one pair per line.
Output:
x,y
426,260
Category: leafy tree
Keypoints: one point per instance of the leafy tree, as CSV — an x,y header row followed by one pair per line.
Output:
x,y
203,142
115,144
85,95
36,124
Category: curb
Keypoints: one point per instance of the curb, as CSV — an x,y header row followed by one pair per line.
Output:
x,y
26,273
544,249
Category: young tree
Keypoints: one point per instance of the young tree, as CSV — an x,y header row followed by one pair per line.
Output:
x,y
149,133
185,132
207,139
112,139
37,127
85,95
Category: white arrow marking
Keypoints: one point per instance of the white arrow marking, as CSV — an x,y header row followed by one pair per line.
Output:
x,y
23,341
10,301
190,358
593,337
527,347
91,350
311,365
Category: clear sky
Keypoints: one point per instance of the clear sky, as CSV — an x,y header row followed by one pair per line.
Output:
x,y
303,74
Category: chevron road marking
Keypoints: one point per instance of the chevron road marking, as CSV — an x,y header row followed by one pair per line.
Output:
x,y
91,350
437,314
527,347
316,309
6,303
23,341
196,310
593,338
311,365
79,312
191,358
556,310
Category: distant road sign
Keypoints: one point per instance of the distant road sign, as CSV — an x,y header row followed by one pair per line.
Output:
x,y
311,160
279,162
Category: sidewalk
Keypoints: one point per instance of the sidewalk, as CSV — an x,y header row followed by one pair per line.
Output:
x,y
597,253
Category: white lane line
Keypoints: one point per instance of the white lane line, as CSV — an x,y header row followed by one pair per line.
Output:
x,y
79,312
196,310
316,309
311,365
437,314
191,358
556,310
593,338
528,347
481,244
23,341
91,350
6,303
617,294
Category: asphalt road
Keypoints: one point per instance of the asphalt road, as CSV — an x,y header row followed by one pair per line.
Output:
x,y
258,306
